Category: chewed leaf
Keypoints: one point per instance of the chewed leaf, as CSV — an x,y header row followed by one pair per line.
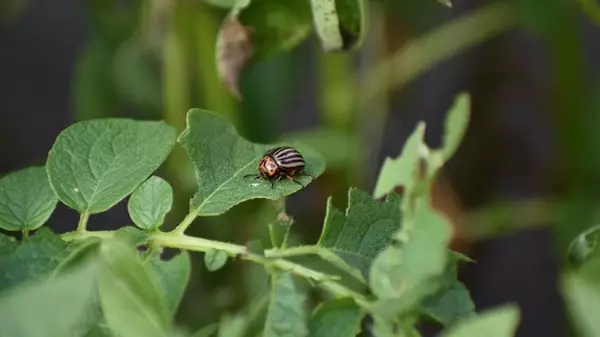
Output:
x,y
254,30
26,199
94,164
363,231
221,159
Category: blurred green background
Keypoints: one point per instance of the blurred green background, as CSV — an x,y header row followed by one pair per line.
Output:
x,y
522,186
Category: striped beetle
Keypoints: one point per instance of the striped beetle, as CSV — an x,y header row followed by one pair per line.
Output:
x,y
282,161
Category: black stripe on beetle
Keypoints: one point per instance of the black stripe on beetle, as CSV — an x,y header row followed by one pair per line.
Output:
x,y
280,162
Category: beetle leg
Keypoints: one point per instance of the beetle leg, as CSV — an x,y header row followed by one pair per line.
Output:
x,y
290,178
256,176
272,184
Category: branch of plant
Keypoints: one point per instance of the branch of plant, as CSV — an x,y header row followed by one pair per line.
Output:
x,y
176,239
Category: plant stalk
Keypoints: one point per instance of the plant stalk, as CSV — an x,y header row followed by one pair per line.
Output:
x,y
83,219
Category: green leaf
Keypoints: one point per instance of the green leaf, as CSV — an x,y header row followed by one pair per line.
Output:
x,y
221,158
26,199
585,245
340,24
130,300
450,304
360,234
336,318
150,203
287,312
456,124
8,244
206,331
222,3
95,164
215,259
280,229
401,171
402,276
34,259
50,308
133,235
172,277
277,25
582,296
499,322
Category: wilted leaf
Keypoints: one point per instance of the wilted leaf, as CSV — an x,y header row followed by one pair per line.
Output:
x,y
499,322
130,299
150,203
360,234
215,259
287,312
336,318
340,24
221,159
256,29
401,171
95,164
34,259
26,199
50,307
172,277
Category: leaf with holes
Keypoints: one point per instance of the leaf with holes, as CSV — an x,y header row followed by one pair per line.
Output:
x,y
94,164
221,159
26,199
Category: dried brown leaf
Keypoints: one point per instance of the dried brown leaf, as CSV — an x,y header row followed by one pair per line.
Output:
x,y
234,50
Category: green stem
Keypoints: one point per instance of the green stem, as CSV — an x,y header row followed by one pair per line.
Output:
x,y
83,219
185,223
25,233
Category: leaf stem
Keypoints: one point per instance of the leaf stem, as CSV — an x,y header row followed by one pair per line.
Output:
x,y
83,219
185,223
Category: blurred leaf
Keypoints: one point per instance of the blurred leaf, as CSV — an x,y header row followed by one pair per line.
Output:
x,y
232,326
215,259
585,245
136,76
499,322
8,244
403,170
456,124
450,304
48,308
133,235
591,9
26,199
11,10
360,234
403,275
279,230
287,312
222,3
92,90
206,331
172,277
34,259
446,3
582,295
336,318
150,202
221,159
95,164
130,300
248,322
340,24
257,29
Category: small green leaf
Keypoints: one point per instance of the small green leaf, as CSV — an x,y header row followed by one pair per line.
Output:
x,y
456,124
279,230
499,322
34,259
94,164
26,199
150,203
401,171
130,299
287,313
172,277
215,259
336,318
221,159
340,24
8,244
49,308
360,234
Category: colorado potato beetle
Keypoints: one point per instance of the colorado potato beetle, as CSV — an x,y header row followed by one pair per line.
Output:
x,y
280,162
